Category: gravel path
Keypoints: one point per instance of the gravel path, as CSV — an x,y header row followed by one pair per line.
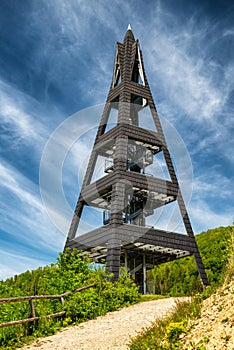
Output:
x,y
112,331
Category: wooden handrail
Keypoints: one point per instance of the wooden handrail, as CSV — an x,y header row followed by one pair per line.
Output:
x,y
35,297
13,323
30,298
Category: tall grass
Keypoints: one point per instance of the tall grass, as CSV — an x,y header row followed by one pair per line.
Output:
x,y
166,333
230,265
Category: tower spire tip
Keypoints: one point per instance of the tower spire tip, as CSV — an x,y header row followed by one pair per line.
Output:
x,y
129,33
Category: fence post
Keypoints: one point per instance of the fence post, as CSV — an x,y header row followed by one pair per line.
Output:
x,y
33,312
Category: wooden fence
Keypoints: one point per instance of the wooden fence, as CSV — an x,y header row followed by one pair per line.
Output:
x,y
30,298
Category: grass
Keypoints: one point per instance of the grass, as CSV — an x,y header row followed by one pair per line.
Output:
x,y
166,333
150,297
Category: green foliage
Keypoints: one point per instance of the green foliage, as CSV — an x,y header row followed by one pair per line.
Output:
x,y
165,333
107,296
174,330
180,277
68,273
150,297
230,266
214,246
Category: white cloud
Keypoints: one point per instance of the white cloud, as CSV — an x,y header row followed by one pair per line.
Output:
x,y
12,115
17,111
7,271
23,212
13,264
64,159
183,66
14,183
204,218
210,193
213,185
228,32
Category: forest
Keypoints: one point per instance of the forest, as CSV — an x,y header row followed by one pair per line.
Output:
x,y
180,277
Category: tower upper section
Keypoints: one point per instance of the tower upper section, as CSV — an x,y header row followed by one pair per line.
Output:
x,y
128,65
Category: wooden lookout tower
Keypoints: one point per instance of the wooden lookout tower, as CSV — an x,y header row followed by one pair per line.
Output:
x,y
126,195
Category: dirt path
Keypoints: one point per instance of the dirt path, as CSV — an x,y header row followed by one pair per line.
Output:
x,y
112,331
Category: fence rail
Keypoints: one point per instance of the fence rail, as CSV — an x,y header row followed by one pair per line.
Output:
x,y
30,298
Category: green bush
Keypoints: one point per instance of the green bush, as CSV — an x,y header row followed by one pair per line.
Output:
x,y
97,301
174,330
68,273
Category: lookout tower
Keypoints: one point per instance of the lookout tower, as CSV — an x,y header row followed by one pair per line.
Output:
x,y
126,193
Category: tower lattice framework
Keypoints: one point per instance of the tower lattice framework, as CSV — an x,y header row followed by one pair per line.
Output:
x,y
126,194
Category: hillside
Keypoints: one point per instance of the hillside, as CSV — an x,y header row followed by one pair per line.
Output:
x,y
214,329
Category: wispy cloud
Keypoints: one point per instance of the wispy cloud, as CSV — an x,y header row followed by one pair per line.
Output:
x,y
14,263
65,64
193,80
20,119
204,218
228,32
213,185
9,180
23,213
64,163
210,205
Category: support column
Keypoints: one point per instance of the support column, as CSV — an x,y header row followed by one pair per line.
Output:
x,y
144,274
113,257
126,259
190,233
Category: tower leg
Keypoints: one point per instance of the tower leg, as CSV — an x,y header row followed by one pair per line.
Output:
x,y
190,233
201,269
113,257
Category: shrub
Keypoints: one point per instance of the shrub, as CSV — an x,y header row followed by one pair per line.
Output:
x,y
174,329
68,273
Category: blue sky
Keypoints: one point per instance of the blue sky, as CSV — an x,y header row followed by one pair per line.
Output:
x,y
56,59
